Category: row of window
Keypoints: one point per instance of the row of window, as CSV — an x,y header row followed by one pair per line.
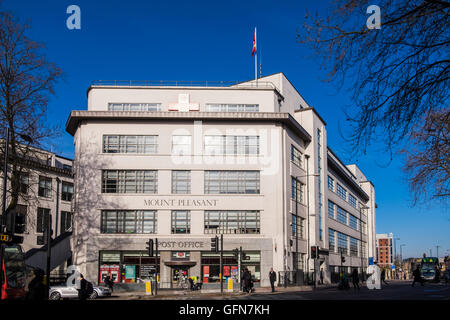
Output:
x,y
209,107
45,187
65,220
345,244
145,221
337,213
146,181
341,192
182,144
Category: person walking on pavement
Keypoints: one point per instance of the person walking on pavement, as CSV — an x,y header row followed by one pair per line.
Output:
x,y
36,288
321,276
245,280
417,277
383,277
108,282
272,278
355,279
86,288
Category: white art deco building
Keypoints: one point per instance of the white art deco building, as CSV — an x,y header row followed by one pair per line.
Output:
x,y
183,163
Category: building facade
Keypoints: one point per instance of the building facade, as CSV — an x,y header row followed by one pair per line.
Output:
x,y
182,164
46,187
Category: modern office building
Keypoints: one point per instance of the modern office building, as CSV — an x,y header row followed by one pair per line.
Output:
x,y
184,162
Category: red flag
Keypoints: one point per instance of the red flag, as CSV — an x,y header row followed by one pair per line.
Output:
x,y
254,44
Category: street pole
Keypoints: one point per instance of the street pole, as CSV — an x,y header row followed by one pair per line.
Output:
x,y
221,263
437,251
49,250
3,215
156,269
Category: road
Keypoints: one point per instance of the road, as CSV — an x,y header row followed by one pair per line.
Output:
x,y
396,290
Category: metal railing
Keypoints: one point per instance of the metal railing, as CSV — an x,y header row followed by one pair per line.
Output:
x,y
182,83
295,278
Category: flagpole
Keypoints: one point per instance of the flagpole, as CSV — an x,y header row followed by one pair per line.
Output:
x,y
256,55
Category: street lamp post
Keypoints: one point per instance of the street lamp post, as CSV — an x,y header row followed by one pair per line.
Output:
x,y
401,257
296,216
395,254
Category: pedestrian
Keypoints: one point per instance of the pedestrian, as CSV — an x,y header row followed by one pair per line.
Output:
x,y
383,277
245,280
321,276
36,288
109,283
272,279
85,289
404,276
191,283
251,282
417,276
355,279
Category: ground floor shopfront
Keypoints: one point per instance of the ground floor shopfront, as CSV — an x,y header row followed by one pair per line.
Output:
x,y
178,260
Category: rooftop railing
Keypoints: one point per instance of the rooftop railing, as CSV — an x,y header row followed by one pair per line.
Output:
x,y
183,83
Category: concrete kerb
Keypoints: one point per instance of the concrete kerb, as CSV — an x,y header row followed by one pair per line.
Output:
x,y
211,292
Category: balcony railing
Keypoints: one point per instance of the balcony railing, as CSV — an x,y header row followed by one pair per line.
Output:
x,y
182,83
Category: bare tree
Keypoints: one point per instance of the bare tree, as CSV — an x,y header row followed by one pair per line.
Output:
x,y
26,81
399,74
428,159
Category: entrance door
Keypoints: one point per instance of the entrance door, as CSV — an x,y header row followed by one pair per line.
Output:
x,y
180,277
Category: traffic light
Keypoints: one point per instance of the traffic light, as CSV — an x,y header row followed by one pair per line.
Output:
x,y
243,256
215,244
150,247
342,259
314,252
236,253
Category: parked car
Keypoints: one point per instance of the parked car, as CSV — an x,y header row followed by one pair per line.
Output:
x,y
71,292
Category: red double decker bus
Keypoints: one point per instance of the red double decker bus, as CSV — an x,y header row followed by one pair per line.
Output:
x,y
13,278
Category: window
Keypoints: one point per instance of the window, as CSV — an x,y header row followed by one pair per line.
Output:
x,y
352,200
24,182
296,157
231,145
129,221
21,214
45,187
298,223
342,243
331,240
330,183
353,247
134,106
353,222
67,191
181,222
181,182
181,145
129,181
331,207
232,222
297,190
130,144
341,215
40,222
215,107
66,221
231,182
341,192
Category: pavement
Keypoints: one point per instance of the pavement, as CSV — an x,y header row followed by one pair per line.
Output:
x,y
165,294
396,290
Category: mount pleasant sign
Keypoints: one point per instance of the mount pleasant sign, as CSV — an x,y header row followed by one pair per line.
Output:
x,y
181,203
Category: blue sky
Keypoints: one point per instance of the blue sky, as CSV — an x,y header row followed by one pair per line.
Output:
x,y
209,40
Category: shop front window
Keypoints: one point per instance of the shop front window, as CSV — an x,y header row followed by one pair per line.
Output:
x,y
211,266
